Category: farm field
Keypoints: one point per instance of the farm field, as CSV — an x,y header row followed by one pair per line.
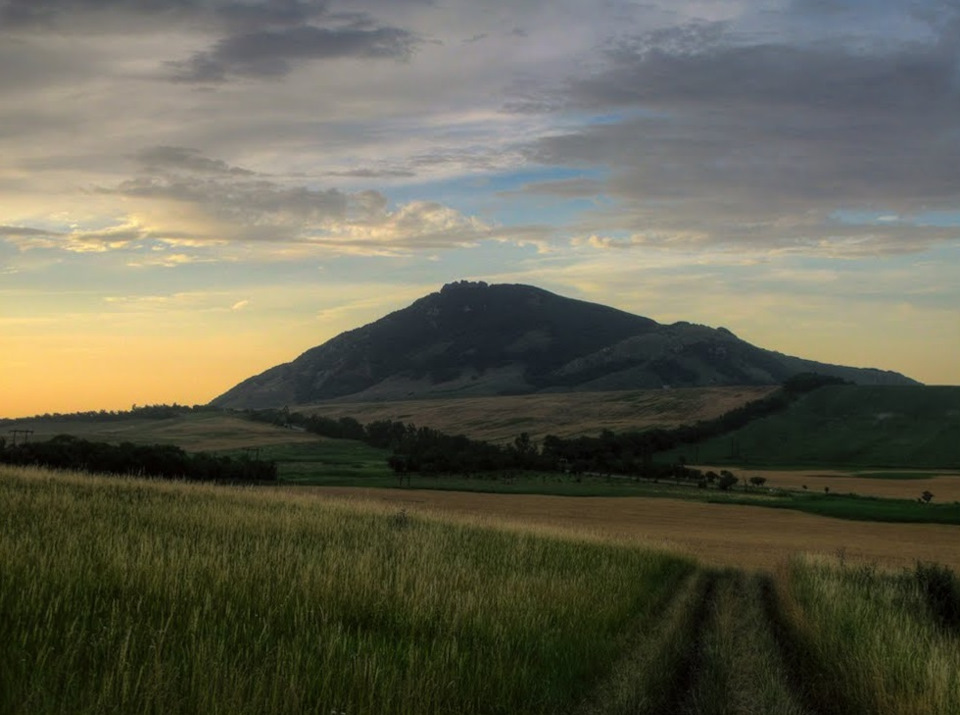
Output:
x,y
565,414
125,595
198,432
734,535
944,484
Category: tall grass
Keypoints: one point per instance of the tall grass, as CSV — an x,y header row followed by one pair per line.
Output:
x,y
869,640
132,596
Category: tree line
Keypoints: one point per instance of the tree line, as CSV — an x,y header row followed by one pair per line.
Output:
x,y
159,460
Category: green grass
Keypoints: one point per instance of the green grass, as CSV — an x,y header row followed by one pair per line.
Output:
x,y
133,596
740,665
859,508
912,427
327,461
867,640
123,595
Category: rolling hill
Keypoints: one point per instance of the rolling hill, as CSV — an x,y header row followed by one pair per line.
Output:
x,y
847,426
474,339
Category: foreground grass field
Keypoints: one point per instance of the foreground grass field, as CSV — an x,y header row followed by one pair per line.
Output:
x,y
128,596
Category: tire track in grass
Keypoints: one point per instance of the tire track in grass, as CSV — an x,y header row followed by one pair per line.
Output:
x,y
739,668
800,669
657,667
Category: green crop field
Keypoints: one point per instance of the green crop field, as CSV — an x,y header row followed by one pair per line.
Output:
x,y
909,427
130,596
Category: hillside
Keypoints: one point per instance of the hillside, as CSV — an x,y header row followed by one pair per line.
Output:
x,y
848,426
567,414
474,339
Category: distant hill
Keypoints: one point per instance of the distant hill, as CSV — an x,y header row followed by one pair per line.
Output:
x,y
847,426
473,339
566,414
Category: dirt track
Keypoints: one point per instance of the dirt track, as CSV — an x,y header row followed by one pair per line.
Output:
x,y
724,535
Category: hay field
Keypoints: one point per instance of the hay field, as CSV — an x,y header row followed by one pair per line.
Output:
x,y
568,414
944,484
193,432
717,534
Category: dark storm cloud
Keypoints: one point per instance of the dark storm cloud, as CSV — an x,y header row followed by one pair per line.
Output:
x,y
269,53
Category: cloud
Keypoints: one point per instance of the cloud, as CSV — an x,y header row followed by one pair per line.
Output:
x,y
225,205
160,158
757,140
266,53
63,14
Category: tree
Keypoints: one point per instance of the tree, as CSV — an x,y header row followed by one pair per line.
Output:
x,y
926,497
758,481
727,480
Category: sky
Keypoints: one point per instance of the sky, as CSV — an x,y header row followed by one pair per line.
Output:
x,y
192,191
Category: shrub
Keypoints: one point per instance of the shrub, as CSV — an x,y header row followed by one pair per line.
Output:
x,y
941,589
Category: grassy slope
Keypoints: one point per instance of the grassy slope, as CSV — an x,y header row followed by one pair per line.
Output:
x,y
848,426
122,595
569,414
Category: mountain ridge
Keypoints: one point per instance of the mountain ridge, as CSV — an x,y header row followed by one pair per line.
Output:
x,y
471,338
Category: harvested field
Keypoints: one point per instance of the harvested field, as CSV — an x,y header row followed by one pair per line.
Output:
x,y
720,535
900,484
568,414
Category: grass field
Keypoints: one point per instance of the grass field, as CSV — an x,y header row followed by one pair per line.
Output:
x,y
130,596
198,432
567,414
847,426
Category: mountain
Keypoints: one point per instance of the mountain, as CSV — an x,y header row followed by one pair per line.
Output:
x,y
479,339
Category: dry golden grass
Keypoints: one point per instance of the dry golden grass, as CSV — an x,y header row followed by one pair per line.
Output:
x,y
196,432
718,534
944,484
500,419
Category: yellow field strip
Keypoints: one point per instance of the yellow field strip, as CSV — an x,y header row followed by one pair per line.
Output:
x,y
718,534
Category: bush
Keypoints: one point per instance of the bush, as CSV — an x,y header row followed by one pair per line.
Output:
x,y
941,589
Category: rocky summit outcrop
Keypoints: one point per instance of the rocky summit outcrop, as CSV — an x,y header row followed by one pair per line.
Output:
x,y
471,338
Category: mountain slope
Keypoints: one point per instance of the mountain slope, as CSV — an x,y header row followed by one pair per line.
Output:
x,y
479,339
